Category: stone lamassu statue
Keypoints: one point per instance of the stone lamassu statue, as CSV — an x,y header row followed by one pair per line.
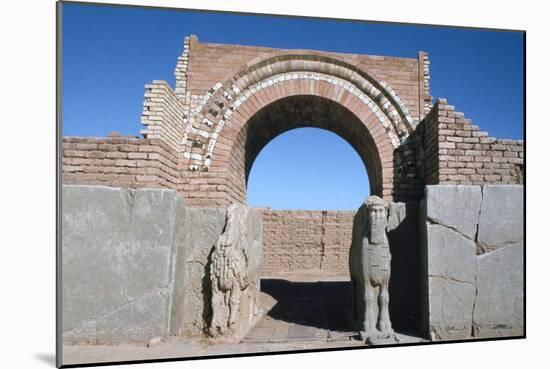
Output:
x,y
369,263
228,273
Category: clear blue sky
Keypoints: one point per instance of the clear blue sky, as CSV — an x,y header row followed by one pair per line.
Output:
x,y
109,53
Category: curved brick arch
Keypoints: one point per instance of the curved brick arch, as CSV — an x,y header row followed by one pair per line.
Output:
x,y
297,103
290,113
222,99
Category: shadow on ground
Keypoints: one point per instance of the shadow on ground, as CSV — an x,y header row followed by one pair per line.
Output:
x,y
320,304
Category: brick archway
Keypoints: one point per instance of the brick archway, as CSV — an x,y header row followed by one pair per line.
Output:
x,y
307,87
253,130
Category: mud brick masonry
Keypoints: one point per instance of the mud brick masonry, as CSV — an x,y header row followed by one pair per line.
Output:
x,y
202,137
306,240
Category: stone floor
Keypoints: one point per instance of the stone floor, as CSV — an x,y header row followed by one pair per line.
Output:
x,y
303,311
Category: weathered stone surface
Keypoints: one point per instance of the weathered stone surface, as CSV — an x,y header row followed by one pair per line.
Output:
x,y
192,289
499,302
138,321
370,269
397,213
254,251
85,334
467,294
451,274
233,268
501,217
116,248
182,244
456,207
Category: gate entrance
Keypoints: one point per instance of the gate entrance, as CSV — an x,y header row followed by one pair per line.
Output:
x,y
304,310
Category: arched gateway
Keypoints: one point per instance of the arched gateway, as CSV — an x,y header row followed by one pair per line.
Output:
x,y
261,93
192,164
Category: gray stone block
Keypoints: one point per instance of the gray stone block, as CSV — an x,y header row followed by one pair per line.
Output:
x,y
137,321
451,284
135,264
466,294
116,248
192,292
501,217
205,225
456,207
499,303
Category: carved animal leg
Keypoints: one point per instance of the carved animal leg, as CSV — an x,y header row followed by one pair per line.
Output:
x,y
384,323
369,323
218,325
234,302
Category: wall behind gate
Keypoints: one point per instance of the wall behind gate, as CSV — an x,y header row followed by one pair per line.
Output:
x,y
298,240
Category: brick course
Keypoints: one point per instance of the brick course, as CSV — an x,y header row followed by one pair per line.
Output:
x,y
119,162
457,152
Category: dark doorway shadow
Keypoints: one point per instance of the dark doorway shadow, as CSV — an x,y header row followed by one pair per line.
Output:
x,y
326,305
322,304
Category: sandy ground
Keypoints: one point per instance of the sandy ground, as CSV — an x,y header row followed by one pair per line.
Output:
x,y
285,326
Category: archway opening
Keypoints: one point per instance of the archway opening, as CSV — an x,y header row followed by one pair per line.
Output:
x,y
305,273
308,183
308,168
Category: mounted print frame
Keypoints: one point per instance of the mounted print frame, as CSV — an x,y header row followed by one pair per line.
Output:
x,y
162,255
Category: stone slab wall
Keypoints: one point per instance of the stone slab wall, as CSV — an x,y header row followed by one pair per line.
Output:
x,y
297,240
192,292
205,225
135,264
117,251
472,245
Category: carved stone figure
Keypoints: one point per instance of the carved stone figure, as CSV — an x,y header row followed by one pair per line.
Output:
x,y
369,262
228,273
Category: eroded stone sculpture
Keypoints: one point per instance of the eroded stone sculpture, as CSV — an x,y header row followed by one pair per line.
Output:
x,y
369,262
228,273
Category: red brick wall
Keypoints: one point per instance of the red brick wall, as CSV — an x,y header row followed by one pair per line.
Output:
x,y
457,152
444,147
119,162
297,240
211,63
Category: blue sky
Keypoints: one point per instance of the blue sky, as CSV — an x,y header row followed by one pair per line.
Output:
x,y
109,53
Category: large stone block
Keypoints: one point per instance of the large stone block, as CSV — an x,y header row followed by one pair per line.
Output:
x,y
499,303
465,294
137,321
501,217
451,283
456,207
234,271
117,247
192,286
